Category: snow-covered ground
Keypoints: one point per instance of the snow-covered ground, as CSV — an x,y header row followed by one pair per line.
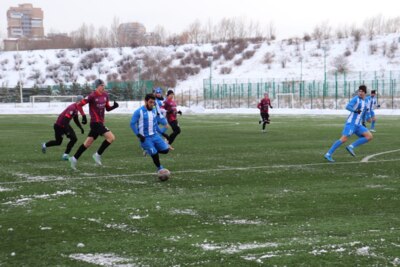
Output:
x,y
130,107
303,60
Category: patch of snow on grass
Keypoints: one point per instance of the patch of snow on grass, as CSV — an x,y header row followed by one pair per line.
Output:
x,y
184,212
231,249
103,259
26,199
3,189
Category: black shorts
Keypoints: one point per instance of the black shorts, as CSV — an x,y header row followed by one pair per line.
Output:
x,y
96,129
60,131
264,116
175,126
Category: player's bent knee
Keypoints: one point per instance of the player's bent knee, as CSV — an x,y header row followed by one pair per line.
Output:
x,y
164,151
88,142
110,137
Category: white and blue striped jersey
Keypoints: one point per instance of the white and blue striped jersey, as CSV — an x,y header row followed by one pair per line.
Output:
x,y
158,107
145,122
356,103
371,102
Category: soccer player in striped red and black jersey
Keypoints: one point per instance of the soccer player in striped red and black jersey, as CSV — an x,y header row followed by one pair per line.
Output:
x,y
98,102
263,106
62,127
170,107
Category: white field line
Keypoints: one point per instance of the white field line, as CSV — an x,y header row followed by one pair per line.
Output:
x,y
197,171
366,159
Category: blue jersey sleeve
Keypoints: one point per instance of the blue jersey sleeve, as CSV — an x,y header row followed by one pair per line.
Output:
x,y
351,104
134,121
162,120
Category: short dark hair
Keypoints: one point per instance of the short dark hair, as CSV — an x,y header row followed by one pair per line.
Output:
x,y
170,92
373,91
149,96
363,88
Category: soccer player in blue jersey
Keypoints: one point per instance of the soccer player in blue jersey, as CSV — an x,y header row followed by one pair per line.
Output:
x,y
370,115
161,111
144,124
357,107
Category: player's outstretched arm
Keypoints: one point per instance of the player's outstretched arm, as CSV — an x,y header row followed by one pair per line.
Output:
x,y
76,120
134,121
114,106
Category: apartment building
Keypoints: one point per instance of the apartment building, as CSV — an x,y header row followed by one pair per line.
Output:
x,y
25,21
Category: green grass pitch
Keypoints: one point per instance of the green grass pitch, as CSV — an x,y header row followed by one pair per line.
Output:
x,y
236,197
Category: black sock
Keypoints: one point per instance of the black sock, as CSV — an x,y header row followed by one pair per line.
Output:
x,y
264,125
70,144
156,160
81,149
165,135
52,143
103,147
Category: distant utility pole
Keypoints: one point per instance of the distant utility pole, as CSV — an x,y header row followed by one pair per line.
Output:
x,y
19,73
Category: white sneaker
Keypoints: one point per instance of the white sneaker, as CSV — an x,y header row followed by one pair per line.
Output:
x,y
73,161
372,130
97,158
65,157
263,131
44,148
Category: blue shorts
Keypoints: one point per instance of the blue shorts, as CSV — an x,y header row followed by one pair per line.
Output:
x,y
153,144
370,115
350,129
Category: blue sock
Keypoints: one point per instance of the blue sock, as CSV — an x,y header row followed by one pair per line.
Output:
x,y
373,125
335,145
359,142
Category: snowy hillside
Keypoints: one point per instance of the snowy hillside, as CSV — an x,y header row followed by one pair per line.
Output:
x,y
189,64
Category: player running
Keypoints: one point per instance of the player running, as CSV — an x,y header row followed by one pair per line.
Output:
x,y
357,106
263,106
170,107
62,127
98,102
161,111
144,124
370,115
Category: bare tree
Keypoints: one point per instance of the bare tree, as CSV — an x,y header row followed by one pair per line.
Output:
x,y
271,31
208,31
357,34
373,26
317,35
113,33
160,34
341,64
322,31
102,39
80,37
223,28
392,25
194,31
231,29
241,31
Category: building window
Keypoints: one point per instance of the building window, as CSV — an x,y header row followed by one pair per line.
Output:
x,y
36,23
16,32
16,15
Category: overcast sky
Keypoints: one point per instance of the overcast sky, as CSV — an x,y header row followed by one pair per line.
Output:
x,y
290,17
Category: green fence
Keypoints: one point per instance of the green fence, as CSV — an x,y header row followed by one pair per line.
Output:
x,y
123,91
333,94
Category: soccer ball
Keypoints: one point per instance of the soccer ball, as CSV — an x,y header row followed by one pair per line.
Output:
x,y
163,174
